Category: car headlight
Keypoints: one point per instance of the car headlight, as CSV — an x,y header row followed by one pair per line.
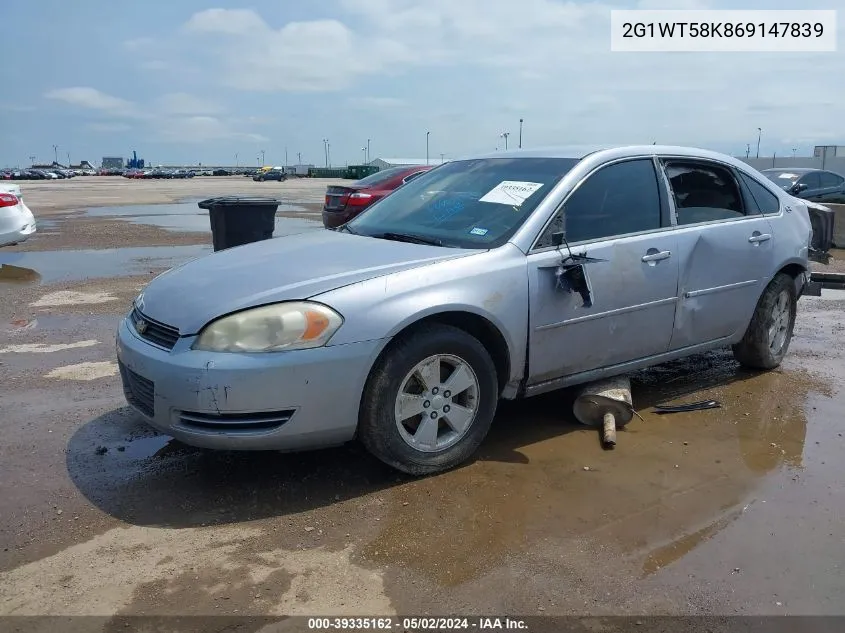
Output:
x,y
272,328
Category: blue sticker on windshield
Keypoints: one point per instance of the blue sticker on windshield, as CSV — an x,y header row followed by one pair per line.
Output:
x,y
478,231
446,208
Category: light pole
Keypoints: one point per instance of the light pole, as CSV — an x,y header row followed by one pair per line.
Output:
x,y
262,158
505,136
329,153
236,160
68,159
794,149
747,150
426,147
32,159
520,134
368,150
299,158
364,151
326,151
286,156
759,134
441,158
56,152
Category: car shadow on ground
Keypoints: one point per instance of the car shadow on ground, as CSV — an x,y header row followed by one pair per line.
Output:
x,y
132,473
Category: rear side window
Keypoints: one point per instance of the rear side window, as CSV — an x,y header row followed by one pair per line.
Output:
x,y
830,179
703,192
765,200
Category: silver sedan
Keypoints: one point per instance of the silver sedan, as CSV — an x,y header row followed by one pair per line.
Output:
x,y
501,276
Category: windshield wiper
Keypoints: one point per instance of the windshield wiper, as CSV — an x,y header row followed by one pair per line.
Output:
x,y
413,239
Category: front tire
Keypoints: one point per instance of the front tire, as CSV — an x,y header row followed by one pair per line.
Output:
x,y
429,402
767,338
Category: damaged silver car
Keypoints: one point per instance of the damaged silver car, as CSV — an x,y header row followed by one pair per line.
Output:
x,y
501,276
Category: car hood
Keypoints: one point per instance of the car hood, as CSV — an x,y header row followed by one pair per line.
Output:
x,y
282,269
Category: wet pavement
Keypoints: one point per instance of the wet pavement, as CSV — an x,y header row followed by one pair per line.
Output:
x,y
735,510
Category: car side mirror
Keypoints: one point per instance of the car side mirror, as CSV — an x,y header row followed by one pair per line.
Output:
x,y
557,239
799,187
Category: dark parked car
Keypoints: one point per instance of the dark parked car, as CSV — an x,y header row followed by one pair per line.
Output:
x,y
817,185
270,174
220,172
344,203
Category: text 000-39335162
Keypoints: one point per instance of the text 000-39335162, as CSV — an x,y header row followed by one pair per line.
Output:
x,y
730,31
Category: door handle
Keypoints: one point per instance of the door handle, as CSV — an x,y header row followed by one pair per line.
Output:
x,y
656,257
764,237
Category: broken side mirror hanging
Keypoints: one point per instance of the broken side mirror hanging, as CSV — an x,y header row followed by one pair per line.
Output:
x,y
570,273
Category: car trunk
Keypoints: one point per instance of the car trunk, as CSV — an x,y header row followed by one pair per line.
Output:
x,y
338,197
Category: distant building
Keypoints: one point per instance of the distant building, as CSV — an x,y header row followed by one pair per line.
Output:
x,y
112,162
385,163
829,151
82,165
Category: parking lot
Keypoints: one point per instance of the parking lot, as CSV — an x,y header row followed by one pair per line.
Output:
x,y
730,510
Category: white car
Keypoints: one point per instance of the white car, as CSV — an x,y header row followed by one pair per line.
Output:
x,y
17,223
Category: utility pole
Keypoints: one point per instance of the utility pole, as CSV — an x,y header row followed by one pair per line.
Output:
x,y
368,150
520,134
56,152
505,136
759,134
426,147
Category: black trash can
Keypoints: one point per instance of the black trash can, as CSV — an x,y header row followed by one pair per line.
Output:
x,y
238,220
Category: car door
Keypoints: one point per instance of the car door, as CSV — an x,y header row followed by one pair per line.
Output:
x,y
831,186
725,248
618,216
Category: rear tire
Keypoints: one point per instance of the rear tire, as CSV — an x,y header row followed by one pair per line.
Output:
x,y
767,338
415,380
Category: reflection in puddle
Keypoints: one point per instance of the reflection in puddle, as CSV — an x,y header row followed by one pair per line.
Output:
x,y
53,266
149,447
189,217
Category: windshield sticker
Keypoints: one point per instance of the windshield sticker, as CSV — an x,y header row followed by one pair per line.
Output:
x,y
790,176
478,231
445,208
512,192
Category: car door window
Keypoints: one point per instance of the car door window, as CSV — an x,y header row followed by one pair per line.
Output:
x,y
703,192
812,180
829,179
619,199
767,202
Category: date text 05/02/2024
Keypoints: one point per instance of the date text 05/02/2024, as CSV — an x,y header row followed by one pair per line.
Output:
x,y
409,624
723,31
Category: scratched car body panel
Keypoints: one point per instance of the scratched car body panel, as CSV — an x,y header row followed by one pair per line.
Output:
x,y
508,275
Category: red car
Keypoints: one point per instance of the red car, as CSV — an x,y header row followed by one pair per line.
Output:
x,y
344,203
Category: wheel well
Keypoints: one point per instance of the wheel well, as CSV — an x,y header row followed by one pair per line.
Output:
x,y
480,328
793,270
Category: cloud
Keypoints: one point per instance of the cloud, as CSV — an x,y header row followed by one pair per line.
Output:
x,y
90,98
312,56
154,64
109,127
376,103
14,107
200,129
139,43
185,104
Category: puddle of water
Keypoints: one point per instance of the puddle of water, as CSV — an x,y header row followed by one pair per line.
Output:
x,y
54,266
189,217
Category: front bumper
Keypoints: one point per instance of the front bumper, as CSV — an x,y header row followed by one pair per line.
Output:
x,y
272,401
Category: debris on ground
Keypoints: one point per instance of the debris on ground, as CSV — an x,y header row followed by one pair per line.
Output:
x,y
690,406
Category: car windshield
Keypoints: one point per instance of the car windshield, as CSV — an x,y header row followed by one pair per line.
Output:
x,y
477,203
782,178
380,177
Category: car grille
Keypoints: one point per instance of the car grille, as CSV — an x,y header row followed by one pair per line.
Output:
x,y
139,391
235,422
153,331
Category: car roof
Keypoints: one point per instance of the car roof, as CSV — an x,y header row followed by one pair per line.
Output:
x,y
611,152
